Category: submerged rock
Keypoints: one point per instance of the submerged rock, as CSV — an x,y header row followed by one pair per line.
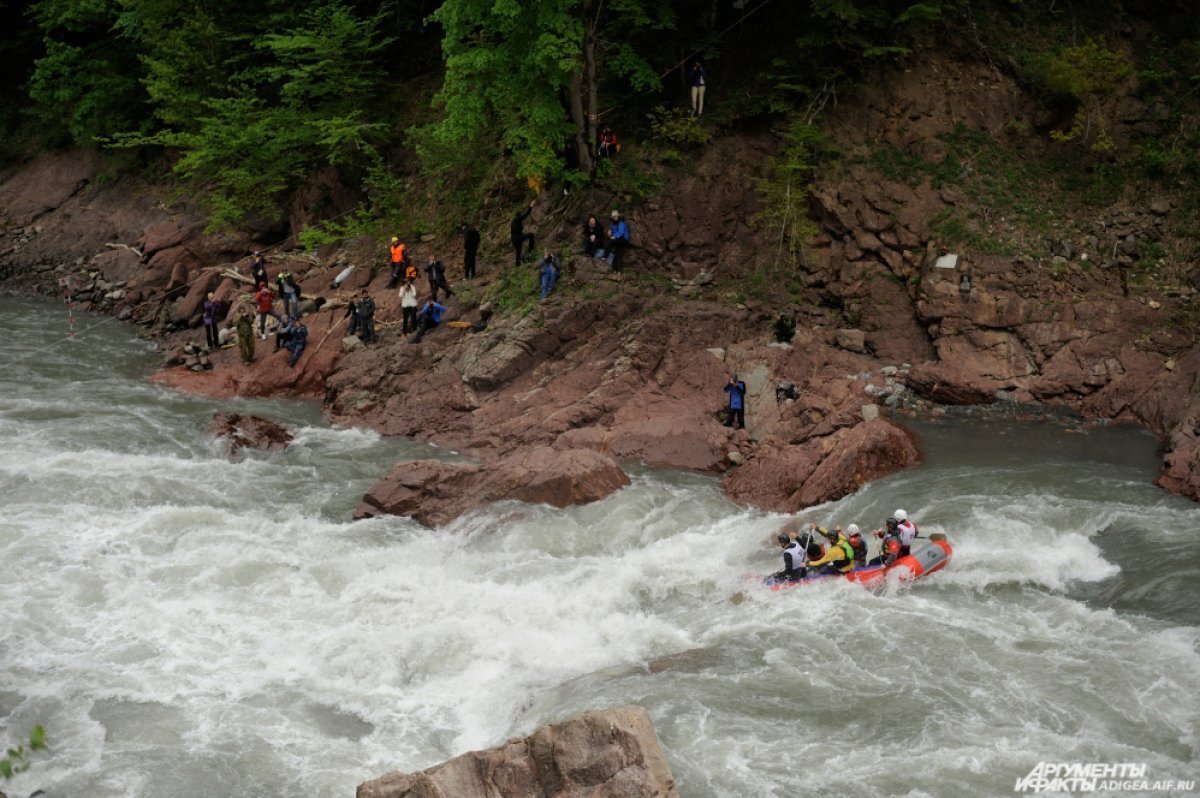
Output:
x,y
610,753
241,431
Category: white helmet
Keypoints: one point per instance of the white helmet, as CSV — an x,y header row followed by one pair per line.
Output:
x,y
852,529
900,515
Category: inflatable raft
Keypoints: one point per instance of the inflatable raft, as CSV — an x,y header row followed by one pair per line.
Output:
x,y
924,557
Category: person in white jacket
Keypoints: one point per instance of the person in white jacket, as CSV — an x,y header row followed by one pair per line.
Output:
x,y
408,306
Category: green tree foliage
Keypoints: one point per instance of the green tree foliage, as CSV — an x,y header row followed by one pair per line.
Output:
x,y
515,69
1091,75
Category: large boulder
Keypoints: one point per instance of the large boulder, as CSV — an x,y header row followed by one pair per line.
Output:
x,y
434,493
610,753
790,478
241,431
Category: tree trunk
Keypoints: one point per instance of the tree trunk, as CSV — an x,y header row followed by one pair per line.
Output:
x,y
592,103
582,145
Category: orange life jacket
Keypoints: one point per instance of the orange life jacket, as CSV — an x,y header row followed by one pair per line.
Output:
x,y
397,253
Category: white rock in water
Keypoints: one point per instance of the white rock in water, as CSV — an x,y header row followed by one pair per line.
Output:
x,y
735,457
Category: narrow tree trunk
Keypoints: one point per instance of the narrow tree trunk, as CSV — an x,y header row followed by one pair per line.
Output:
x,y
582,144
592,104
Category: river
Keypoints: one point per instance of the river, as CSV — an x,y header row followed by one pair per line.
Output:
x,y
184,626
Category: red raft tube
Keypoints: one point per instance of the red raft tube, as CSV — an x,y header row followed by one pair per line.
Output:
x,y
924,557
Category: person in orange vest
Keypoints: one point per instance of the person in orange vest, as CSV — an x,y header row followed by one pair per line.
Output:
x,y
399,259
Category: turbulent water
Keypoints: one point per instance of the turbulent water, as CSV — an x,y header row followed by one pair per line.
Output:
x,y
187,626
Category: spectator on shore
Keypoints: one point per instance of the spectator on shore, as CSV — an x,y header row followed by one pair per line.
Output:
x,y
737,402
430,317
265,298
296,342
366,317
352,314
436,272
289,292
698,79
609,144
408,306
245,335
258,270
618,241
283,333
549,273
399,258
470,248
593,238
518,235
211,308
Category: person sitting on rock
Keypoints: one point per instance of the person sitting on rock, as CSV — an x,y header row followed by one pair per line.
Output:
x,y
609,144
296,342
283,333
430,316
839,559
593,238
793,560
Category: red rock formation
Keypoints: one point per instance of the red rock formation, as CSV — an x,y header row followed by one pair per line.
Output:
x,y
240,431
602,754
435,493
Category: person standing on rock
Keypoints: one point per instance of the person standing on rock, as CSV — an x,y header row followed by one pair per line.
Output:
x,y
398,259
470,248
290,293
366,317
436,273
266,307
245,336
258,270
549,273
408,306
518,235
737,402
211,308
698,79
296,342
352,314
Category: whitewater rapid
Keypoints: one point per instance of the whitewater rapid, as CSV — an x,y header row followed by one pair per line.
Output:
x,y
184,625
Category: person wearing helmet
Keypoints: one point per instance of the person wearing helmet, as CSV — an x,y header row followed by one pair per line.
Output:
x,y
839,559
889,546
399,259
906,530
793,560
855,538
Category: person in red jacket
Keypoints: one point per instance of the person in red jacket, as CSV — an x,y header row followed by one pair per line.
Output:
x,y
266,307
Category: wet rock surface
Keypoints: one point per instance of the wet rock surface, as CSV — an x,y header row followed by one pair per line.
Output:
x,y
603,754
241,431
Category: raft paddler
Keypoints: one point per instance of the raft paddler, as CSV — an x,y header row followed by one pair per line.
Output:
x,y
793,560
839,558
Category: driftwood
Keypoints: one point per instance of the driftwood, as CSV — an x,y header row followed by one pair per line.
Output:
x,y
134,250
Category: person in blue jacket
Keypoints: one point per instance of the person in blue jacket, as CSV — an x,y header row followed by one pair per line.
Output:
x,y
297,342
737,402
549,273
428,317
618,240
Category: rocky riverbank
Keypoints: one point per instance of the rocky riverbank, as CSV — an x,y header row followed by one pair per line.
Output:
x,y
631,367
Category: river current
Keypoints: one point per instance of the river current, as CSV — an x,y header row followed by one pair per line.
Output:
x,y
184,626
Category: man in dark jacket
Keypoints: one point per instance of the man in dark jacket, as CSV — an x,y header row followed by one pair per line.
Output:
x,y
518,234
297,342
366,317
470,248
436,273
737,402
